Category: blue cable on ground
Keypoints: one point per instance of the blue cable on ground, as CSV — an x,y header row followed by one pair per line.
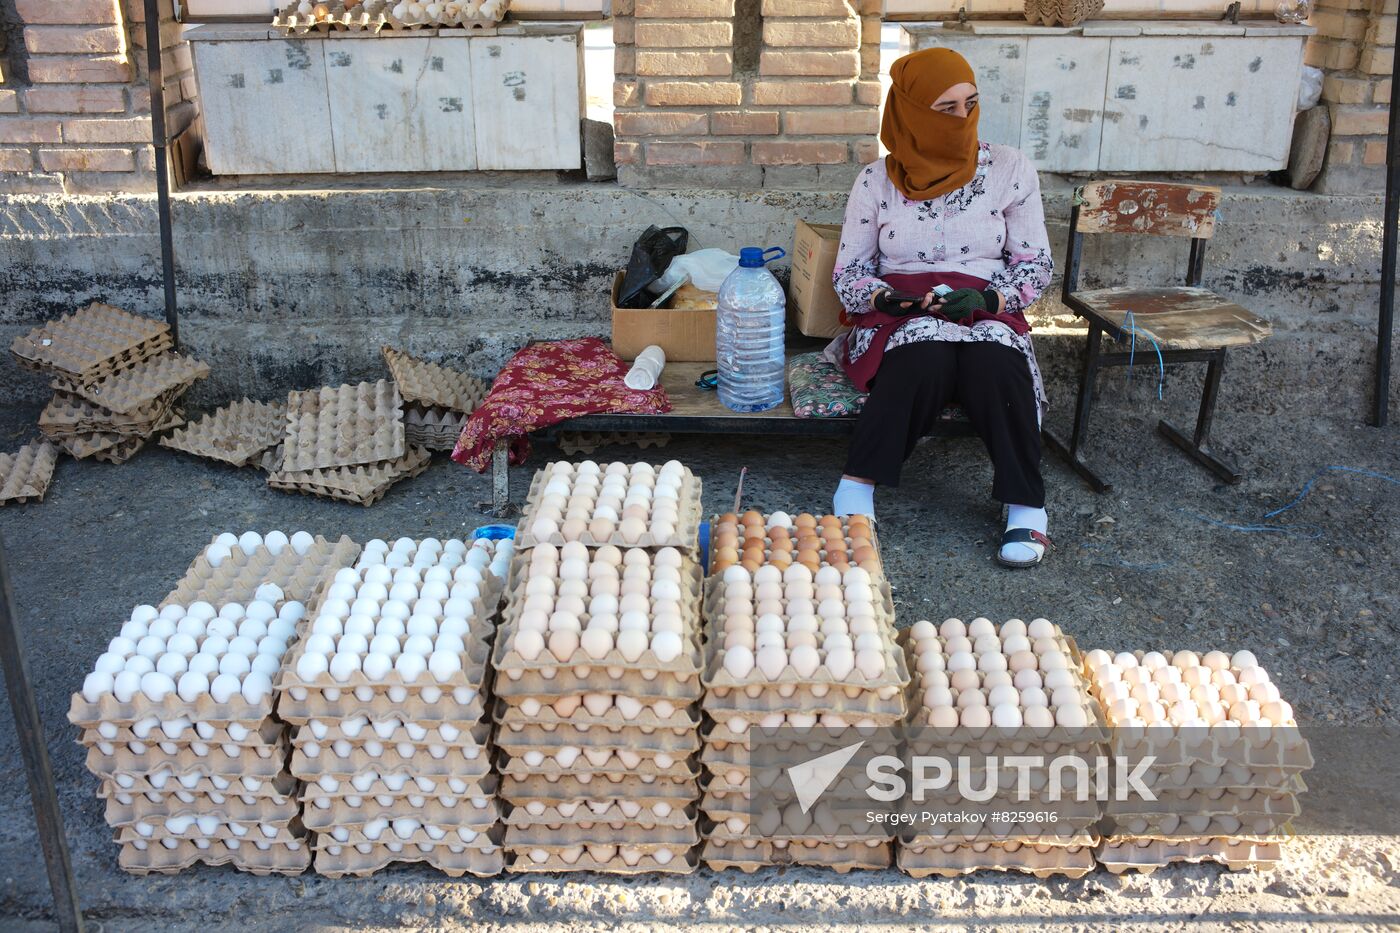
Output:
x,y
1307,487
1305,530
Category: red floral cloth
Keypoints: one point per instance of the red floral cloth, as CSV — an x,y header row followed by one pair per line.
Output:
x,y
544,384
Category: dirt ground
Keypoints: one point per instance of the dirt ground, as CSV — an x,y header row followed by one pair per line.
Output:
x,y
1151,565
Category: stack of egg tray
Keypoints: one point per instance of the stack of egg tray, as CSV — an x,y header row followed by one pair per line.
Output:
x,y
388,694
794,704
187,778
1226,759
980,694
232,567
598,734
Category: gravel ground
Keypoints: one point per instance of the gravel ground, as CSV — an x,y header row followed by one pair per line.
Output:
x,y
1146,566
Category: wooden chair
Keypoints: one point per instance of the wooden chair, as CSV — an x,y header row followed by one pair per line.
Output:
x,y
1187,324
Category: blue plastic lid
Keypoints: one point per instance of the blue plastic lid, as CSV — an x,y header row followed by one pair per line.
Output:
x,y
755,257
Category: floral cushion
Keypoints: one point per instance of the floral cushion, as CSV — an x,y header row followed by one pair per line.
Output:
x,y
820,389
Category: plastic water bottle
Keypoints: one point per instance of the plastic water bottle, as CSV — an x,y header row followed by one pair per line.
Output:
x,y
749,334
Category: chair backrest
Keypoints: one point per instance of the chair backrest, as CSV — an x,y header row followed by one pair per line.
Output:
x,y
1150,207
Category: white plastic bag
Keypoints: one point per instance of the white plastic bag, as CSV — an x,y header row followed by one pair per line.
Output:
x,y
1310,88
707,268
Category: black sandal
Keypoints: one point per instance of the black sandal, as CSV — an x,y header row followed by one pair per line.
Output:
x,y
1024,536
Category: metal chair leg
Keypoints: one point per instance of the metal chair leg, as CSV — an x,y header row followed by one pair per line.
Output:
x,y
500,479
35,753
1082,408
1198,447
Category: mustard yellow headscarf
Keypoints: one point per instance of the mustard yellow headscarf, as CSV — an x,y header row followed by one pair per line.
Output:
x,y
931,153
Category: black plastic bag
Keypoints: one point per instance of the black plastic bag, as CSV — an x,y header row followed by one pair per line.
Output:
x,y
651,255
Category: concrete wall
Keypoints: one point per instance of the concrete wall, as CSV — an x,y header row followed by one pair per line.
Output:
x,y
285,290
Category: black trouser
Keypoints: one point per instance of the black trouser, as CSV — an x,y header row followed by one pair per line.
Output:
x,y
918,380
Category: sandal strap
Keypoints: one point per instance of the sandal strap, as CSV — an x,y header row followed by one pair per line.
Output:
x,y
1027,536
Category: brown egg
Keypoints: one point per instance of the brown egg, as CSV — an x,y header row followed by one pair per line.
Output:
x,y
805,520
838,561
829,521
871,566
752,519
728,518
782,560
726,555
858,521
863,553
750,564
720,566
779,534
728,538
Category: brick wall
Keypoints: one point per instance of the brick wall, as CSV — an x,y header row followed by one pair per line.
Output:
x,y
773,93
74,103
1355,45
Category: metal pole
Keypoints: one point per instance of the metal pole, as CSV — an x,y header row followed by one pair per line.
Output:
x,y
160,140
1386,325
36,763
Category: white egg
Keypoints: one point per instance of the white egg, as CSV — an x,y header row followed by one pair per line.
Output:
x,y
224,688
256,687
301,542
96,685
738,661
344,665
667,646
410,666
249,542
377,665
125,685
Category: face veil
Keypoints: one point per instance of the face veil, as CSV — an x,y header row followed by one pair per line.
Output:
x,y
930,153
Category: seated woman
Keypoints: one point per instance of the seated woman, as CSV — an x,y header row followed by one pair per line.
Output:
x,y
943,209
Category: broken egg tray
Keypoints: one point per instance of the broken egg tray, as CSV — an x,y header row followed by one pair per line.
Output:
x,y
432,384
334,860
513,718
348,425
358,485
951,861
228,810
140,858
136,387
1146,856
91,342
264,763
236,579
686,539
464,814
511,766
679,816
237,434
25,475
551,790
457,763
462,706
877,575
682,862
534,738
474,735
839,858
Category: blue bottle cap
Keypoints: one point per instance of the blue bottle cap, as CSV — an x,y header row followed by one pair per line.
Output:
x,y
755,257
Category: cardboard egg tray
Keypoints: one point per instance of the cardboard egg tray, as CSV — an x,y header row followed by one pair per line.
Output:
x,y
433,385
748,856
237,434
987,823
25,475
169,856
1200,776
108,709
138,386
1212,800
827,825
125,450
329,788
606,812
612,767
534,738
466,763
68,416
952,860
238,577
883,705
114,447
644,790
692,578
188,828
686,539
334,860
640,861
460,705
406,737
421,834
349,425
583,723
721,784
717,565
1265,827
714,598
186,733
266,762
1147,855
620,833
361,485
229,810
464,812
372,16
432,428
157,785
547,685
91,343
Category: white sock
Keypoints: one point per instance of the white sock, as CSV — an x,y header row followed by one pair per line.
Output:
x,y
853,498
1025,516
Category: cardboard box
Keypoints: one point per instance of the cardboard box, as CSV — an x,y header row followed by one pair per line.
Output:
x,y
686,336
812,300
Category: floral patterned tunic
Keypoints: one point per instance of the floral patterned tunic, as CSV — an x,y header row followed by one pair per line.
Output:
x,y
993,228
